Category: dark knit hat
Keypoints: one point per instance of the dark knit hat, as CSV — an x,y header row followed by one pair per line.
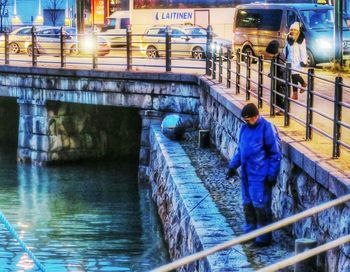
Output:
x,y
249,110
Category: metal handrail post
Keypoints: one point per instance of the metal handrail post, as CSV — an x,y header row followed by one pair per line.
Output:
x,y
6,48
260,81
208,50
228,76
309,102
238,70
34,57
272,87
338,98
94,49
287,95
220,64
62,55
247,79
168,49
213,57
129,48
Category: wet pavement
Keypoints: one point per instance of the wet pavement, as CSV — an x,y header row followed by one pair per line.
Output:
x,y
211,168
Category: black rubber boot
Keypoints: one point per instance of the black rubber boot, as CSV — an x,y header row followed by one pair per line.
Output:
x,y
250,218
264,218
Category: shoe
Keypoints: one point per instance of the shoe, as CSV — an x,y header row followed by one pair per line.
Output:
x,y
279,113
304,85
295,96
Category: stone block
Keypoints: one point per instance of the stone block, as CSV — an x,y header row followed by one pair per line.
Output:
x,y
337,186
40,143
322,175
309,165
296,156
56,143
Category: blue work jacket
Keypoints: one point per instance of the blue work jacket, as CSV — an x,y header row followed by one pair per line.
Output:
x,y
258,152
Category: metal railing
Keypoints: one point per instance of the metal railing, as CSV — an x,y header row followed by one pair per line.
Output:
x,y
324,113
272,227
321,112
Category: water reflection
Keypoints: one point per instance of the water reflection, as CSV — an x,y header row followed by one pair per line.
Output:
x,y
90,217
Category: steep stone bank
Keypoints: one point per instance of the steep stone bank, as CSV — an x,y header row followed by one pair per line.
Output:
x,y
211,168
191,220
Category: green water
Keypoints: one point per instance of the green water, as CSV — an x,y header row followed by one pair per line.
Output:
x,y
82,217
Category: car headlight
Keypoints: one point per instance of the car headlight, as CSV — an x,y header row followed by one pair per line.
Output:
x,y
215,46
323,44
88,44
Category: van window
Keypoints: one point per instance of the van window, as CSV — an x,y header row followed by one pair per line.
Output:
x,y
291,18
318,18
263,19
124,22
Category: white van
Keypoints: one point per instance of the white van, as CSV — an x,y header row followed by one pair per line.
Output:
x,y
115,29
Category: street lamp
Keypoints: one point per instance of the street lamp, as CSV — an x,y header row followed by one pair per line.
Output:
x,y
15,19
39,20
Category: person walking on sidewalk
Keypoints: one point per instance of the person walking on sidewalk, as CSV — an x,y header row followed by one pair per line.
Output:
x,y
259,155
295,53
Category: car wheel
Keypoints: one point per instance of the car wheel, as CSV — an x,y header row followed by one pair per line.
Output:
x,y
30,51
14,48
310,59
73,50
152,52
246,50
198,53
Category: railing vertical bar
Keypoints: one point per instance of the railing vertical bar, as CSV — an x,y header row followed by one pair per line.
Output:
x,y
287,95
34,60
260,81
129,48
272,87
208,50
238,71
94,42
220,64
214,60
248,74
228,76
6,48
309,103
338,97
62,55
168,49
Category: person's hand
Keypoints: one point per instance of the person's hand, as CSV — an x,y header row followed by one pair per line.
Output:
x,y
230,173
271,180
303,64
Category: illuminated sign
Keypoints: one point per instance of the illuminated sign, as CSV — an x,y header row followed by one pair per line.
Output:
x,y
174,15
99,11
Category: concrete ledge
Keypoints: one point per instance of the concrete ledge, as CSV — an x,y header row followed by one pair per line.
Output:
x,y
127,75
174,181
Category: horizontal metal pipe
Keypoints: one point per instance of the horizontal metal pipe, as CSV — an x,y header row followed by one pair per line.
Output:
x,y
246,237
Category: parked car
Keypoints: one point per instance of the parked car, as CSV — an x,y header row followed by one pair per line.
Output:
x,y
255,25
186,40
17,39
48,41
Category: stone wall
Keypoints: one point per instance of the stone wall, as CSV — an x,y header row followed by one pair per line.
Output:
x,y
190,218
54,131
303,181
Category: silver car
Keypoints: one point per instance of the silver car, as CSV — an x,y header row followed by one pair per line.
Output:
x,y
186,41
17,39
48,41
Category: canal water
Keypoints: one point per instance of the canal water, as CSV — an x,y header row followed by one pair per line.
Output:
x,y
82,217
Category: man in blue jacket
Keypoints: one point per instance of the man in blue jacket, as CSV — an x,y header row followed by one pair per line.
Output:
x,y
259,155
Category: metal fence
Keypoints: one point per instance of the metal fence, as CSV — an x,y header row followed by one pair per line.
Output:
x,y
325,109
